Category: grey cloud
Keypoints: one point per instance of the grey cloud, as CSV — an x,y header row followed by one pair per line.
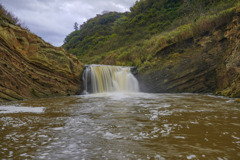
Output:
x,y
54,19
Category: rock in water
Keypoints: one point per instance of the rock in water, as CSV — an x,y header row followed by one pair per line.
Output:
x,y
30,67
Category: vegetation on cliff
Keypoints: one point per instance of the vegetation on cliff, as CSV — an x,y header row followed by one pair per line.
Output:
x,y
134,37
92,34
10,18
30,67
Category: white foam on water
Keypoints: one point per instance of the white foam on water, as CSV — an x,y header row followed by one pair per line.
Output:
x,y
16,109
191,156
111,136
121,95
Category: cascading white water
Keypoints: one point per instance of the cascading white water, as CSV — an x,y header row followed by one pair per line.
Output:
x,y
105,78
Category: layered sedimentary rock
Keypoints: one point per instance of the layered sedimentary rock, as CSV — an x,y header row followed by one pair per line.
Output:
x,y
30,67
190,68
206,63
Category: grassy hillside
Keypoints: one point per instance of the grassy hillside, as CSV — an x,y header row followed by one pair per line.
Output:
x,y
133,38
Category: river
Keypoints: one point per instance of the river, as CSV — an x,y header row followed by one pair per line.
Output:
x,y
121,126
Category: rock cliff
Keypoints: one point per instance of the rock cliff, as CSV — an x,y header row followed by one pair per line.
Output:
x,y
228,70
209,63
30,67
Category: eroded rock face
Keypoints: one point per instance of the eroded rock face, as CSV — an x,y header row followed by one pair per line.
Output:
x,y
209,63
30,67
228,72
189,66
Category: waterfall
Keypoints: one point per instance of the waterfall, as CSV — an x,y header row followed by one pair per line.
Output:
x,y
105,78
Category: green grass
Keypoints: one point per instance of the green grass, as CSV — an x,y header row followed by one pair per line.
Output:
x,y
152,25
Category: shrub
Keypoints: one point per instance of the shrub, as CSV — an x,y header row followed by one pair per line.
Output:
x,y
8,16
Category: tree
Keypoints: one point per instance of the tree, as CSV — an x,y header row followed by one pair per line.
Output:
x,y
105,12
75,26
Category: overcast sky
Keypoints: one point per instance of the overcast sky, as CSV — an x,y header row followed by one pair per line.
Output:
x,y
54,19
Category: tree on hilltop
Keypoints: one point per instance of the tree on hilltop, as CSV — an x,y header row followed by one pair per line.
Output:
x,y
75,26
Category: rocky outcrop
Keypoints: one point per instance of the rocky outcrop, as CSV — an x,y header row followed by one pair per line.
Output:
x,y
189,66
30,67
208,63
228,71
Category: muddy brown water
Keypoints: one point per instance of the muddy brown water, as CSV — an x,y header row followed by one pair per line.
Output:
x,y
121,126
